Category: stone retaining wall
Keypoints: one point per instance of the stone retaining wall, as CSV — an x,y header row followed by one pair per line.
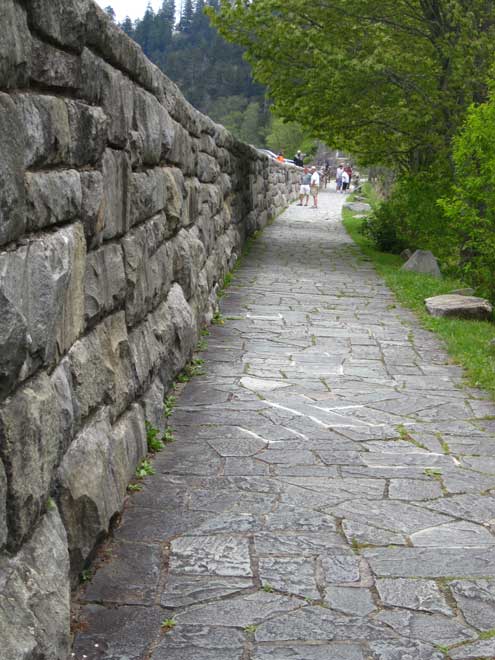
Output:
x,y
121,209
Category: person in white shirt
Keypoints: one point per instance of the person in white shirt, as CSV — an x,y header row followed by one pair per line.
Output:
x,y
314,186
338,178
345,181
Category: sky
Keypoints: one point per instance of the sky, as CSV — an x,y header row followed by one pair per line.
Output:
x,y
132,8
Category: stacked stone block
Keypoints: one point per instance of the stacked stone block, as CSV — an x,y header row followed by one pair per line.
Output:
x,y
121,209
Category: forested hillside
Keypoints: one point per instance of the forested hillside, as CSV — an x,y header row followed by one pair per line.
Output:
x,y
210,72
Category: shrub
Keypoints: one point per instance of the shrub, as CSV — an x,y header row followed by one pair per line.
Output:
x,y
411,217
471,206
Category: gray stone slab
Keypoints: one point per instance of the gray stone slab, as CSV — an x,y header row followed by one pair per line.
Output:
x,y
240,612
201,643
430,562
357,532
482,650
182,590
392,515
350,600
476,600
403,650
413,489
297,544
478,508
310,652
422,595
456,534
434,628
210,555
291,575
131,577
122,632
299,519
311,624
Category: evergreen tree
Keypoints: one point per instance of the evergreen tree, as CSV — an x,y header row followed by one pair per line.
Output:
x,y
186,20
144,30
127,26
167,15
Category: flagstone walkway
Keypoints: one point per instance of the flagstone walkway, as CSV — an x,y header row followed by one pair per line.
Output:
x,y
329,493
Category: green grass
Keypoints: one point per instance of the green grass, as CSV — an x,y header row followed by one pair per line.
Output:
x,y
468,342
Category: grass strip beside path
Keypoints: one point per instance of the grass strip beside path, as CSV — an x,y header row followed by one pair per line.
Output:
x,y
468,342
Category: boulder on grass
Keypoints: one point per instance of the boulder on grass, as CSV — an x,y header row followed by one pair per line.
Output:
x,y
461,307
423,261
357,207
406,254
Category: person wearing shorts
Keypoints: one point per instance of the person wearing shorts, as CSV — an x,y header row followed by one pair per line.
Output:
x,y
305,187
345,181
314,186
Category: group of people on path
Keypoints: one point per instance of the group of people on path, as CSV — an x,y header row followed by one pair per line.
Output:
x,y
310,181
310,185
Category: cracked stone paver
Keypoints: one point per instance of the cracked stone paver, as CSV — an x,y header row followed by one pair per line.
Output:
x,y
331,491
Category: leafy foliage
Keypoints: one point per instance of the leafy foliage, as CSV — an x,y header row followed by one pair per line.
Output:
x,y
410,217
471,208
387,81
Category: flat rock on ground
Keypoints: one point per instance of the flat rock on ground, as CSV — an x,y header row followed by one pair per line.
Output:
x,y
459,306
329,494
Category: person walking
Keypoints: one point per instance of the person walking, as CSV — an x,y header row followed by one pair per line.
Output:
x,y
338,178
345,181
314,186
305,187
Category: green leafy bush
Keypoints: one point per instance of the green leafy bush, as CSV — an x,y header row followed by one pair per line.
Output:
x,y
411,217
470,208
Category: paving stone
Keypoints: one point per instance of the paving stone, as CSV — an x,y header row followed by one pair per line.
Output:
x,y
413,489
340,566
395,516
423,595
400,650
310,652
434,628
429,562
350,600
181,590
210,555
357,532
122,632
476,600
478,508
318,623
200,643
482,650
457,534
296,518
291,575
297,544
240,612
131,577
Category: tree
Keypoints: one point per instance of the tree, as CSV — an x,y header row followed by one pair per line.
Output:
x,y
186,19
288,137
471,207
389,81
127,26
110,12
144,31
